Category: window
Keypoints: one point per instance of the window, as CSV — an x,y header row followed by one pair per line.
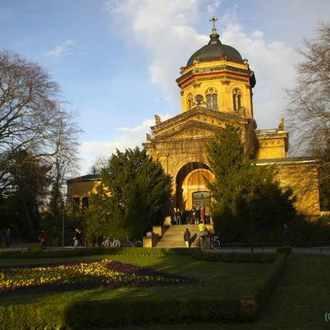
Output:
x,y
236,99
211,99
190,101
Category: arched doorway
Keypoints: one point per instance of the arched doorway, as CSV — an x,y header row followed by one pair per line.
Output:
x,y
192,186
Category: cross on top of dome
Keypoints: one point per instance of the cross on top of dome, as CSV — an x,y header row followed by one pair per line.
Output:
x,y
213,20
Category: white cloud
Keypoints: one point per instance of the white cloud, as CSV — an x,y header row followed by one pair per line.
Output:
x,y
166,30
274,66
127,137
65,48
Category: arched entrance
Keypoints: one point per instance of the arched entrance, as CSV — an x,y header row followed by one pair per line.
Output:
x,y
192,186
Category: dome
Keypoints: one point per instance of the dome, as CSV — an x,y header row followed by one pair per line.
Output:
x,y
215,50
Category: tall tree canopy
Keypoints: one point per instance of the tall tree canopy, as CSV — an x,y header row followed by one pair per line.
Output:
x,y
133,197
20,206
247,202
309,109
33,122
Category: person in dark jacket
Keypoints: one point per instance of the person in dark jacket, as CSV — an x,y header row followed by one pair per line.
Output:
x,y
187,237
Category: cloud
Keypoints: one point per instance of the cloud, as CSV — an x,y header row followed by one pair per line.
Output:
x,y
126,137
65,48
274,65
166,30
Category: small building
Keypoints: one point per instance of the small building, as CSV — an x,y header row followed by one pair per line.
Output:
x,y
80,189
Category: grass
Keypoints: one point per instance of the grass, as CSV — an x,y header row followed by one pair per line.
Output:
x,y
299,302
228,280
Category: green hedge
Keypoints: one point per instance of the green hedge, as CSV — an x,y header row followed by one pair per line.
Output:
x,y
285,250
272,279
234,257
82,252
108,313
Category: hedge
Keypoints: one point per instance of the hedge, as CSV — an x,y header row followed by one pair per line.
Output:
x,y
83,252
108,313
234,257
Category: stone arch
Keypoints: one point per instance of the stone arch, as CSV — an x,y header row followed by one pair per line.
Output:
x,y
191,178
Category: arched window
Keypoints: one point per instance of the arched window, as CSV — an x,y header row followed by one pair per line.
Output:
x,y
211,99
189,101
236,99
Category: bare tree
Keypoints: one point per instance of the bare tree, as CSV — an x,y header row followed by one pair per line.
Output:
x,y
32,117
64,162
309,109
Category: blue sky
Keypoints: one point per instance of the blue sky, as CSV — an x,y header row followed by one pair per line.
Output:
x,y
116,60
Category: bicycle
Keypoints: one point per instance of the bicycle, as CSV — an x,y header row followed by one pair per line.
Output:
x,y
112,243
216,243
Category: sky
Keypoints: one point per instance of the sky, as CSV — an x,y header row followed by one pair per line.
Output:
x,y
116,61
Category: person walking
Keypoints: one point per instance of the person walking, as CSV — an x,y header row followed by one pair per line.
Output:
x,y
8,237
187,237
203,233
178,217
77,238
43,239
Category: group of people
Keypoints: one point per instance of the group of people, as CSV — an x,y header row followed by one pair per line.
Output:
x,y
204,237
195,216
77,238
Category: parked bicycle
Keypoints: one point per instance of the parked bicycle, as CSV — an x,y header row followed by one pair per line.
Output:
x,y
216,242
116,243
111,243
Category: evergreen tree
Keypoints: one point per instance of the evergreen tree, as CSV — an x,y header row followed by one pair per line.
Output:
x,y
133,195
20,206
247,202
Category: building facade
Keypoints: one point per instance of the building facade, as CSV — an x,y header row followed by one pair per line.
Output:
x,y
216,88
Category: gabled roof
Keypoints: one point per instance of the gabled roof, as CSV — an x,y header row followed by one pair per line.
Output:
x,y
84,178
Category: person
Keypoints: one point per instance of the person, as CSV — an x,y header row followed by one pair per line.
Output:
x,y
203,233
8,237
43,239
174,217
193,216
178,217
203,219
187,237
77,237
198,215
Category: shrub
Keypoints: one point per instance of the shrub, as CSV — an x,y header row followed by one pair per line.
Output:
x,y
302,232
284,250
120,312
234,257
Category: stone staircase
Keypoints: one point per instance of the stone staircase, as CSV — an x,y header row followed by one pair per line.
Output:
x,y
173,236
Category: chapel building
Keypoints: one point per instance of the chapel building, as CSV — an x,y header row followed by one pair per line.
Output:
x,y
216,88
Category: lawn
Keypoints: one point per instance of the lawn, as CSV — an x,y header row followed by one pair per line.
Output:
x,y
212,279
298,303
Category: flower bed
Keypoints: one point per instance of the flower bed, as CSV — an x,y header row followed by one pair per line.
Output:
x,y
83,275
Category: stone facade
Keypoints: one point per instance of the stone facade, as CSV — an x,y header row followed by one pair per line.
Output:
x,y
216,90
